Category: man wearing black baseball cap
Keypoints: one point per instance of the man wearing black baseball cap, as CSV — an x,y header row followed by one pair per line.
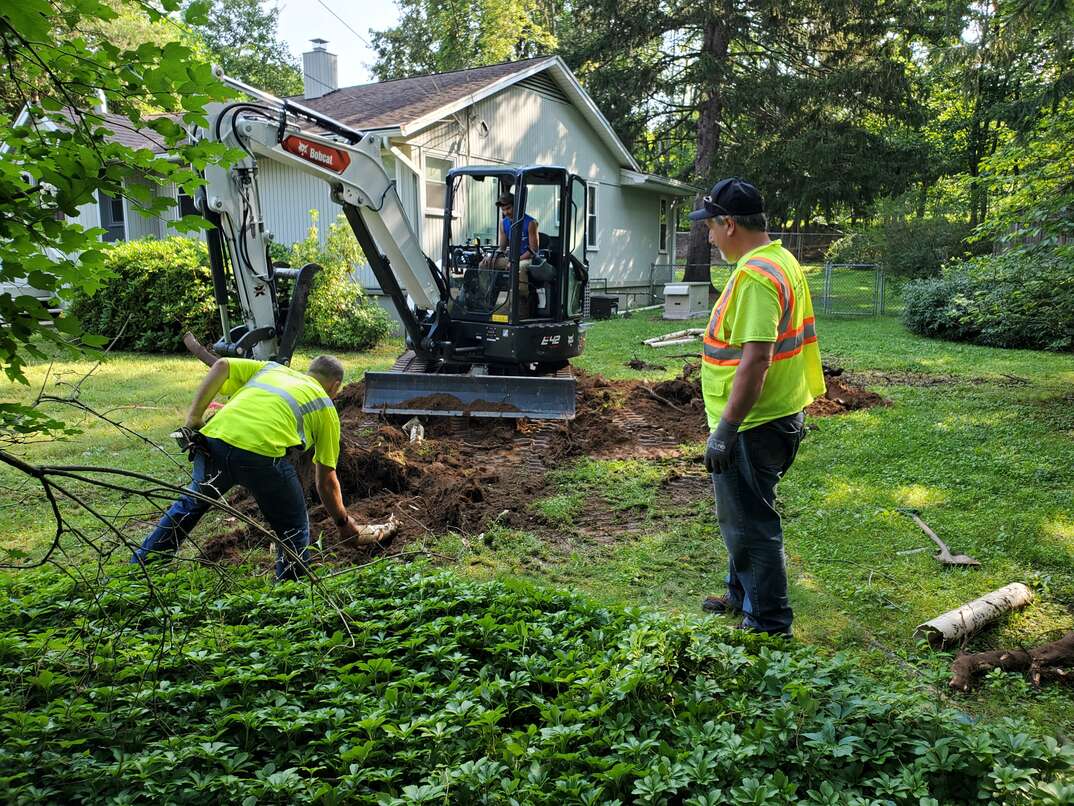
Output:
x,y
761,367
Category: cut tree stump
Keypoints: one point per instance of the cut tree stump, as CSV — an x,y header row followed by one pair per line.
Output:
x,y
1054,661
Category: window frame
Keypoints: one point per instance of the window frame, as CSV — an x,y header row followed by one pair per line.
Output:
x,y
662,227
592,218
446,158
179,196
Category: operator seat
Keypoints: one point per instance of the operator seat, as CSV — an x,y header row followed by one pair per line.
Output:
x,y
544,275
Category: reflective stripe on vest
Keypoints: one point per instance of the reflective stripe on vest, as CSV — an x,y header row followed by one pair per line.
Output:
x,y
299,411
788,342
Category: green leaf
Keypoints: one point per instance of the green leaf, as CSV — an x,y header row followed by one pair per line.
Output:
x,y
197,12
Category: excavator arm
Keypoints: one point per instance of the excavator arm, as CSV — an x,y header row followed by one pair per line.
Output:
x,y
349,161
454,366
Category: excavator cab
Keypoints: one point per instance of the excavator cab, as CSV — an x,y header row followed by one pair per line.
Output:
x,y
518,297
510,320
494,272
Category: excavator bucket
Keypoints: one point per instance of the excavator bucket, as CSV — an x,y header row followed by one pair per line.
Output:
x,y
410,391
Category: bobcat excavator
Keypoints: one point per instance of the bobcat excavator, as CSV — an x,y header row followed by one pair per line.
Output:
x,y
476,346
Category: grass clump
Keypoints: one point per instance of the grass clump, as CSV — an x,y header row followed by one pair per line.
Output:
x,y
623,483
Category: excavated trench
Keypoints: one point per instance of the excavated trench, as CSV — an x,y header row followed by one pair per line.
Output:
x,y
470,471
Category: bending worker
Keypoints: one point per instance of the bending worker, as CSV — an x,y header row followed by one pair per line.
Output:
x,y
526,250
271,409
761,368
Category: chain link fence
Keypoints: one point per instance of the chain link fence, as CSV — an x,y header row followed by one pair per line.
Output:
x,y
838,289
849,289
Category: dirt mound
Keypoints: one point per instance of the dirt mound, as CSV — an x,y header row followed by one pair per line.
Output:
x,y
843,396
471,471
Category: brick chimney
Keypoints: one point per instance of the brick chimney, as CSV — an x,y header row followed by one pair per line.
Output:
x,y
320,75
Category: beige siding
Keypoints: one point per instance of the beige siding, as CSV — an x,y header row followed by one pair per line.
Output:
x,y
89,215
287,196
139,224
629,236
527,126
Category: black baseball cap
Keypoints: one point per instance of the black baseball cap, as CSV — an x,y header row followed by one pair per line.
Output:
x,y
731,196
506,200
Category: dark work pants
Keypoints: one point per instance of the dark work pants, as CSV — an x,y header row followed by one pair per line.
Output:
x,y
750,525
273,484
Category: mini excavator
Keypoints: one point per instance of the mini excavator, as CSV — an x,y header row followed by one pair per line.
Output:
x,y
475,345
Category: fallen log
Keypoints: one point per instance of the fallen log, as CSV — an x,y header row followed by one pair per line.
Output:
x,y
1054,661
962,622
676,337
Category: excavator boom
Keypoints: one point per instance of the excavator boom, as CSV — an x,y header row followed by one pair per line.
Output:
x,y
457,364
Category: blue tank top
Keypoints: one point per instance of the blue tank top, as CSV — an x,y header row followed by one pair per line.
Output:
x,y
525,222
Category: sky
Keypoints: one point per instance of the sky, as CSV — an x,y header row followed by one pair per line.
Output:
x,y
303,20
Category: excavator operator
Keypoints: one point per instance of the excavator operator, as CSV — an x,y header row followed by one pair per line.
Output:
x,y
526,251
271,409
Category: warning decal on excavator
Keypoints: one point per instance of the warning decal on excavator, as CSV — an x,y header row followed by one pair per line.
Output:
x,y
334,159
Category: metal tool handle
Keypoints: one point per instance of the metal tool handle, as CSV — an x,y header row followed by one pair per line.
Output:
x,y
925,528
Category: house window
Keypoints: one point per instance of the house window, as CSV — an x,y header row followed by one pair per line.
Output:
x,y
663,226
112,217
186,205
591,217
436,183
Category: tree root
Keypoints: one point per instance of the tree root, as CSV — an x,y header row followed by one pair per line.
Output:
x,y
1054,661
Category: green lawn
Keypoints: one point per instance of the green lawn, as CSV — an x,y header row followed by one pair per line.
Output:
x,y
985,456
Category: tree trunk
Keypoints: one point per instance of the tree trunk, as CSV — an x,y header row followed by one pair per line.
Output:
x,y
712,65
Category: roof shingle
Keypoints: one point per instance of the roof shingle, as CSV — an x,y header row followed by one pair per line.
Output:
x,y
388,104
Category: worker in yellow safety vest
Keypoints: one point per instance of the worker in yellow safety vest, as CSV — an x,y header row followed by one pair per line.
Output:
x,y
270,409
760,368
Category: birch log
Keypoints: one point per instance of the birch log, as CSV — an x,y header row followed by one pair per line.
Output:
x,y
964,621
677,337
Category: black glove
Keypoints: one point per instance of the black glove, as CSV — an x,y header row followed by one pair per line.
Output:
x,y
190,441
720,450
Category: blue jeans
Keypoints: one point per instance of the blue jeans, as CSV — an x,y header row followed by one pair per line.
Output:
x,y
272,482
750,525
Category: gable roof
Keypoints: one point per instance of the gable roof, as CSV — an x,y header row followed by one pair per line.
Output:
x,y
409,105
122,131
393,104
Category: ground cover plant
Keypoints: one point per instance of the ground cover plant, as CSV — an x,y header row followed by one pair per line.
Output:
x,y
396,685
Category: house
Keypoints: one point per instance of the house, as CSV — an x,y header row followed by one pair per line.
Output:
x,y
519,113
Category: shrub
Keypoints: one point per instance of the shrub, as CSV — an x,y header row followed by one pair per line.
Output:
x,y
156,290
938,307
864,246
1016,299
907,247
415,687
339,315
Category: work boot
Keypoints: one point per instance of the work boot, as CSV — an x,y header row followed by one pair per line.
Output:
x,y
721,605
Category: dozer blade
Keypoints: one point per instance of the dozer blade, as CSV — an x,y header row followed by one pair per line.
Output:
x,y
446,395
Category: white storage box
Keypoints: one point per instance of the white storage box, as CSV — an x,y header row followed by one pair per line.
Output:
x,y
686,300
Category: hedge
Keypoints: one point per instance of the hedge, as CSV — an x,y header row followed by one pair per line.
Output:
x,y
156,290
1016,299
906,248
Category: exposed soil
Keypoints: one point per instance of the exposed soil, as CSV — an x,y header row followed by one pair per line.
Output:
x,y
472,471
843,395
927,379
643,366
445,402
